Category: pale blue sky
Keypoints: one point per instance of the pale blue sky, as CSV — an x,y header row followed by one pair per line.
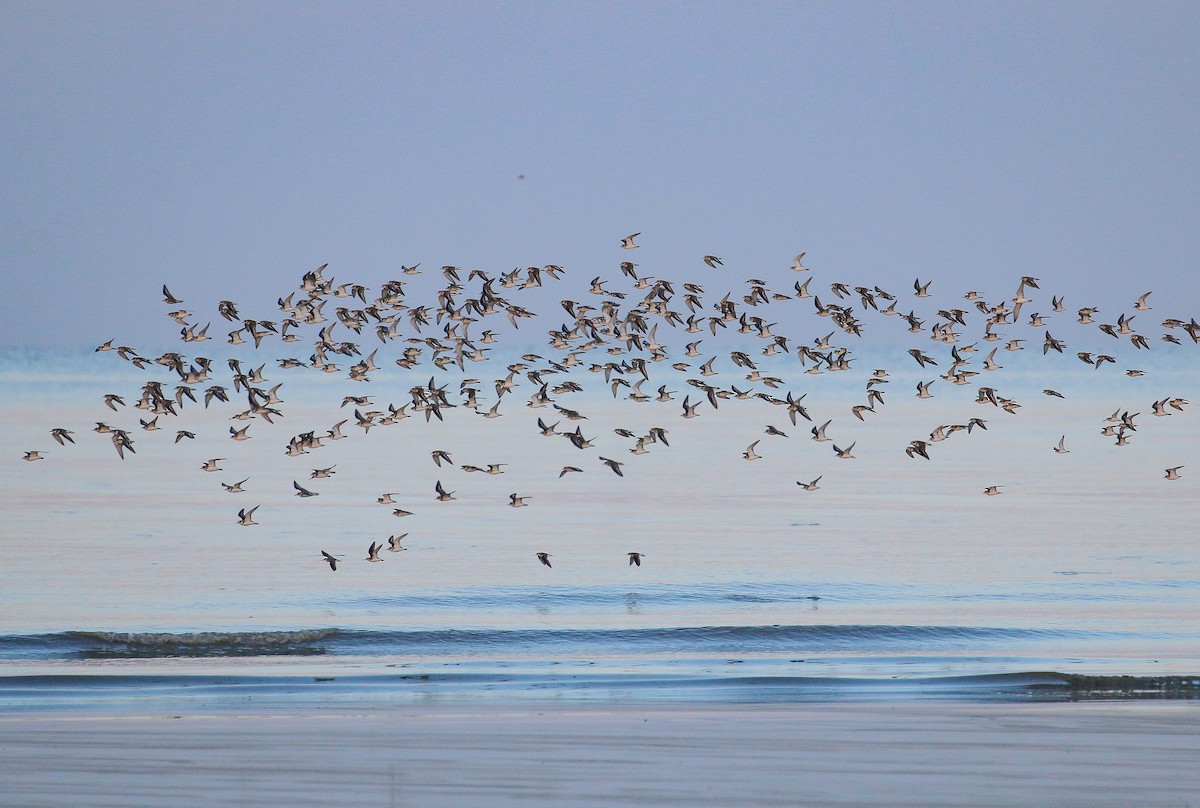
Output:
x,y
226,148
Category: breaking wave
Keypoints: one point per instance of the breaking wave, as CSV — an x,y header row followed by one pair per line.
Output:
x,y
500,643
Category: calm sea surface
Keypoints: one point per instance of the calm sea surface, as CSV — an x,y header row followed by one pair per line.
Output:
x,y
897,570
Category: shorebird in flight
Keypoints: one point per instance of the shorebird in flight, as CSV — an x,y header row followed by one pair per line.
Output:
x,y
918,448
627,244
34,455
614,465
331,560
211,465
810,486
1173,473
992,490
544,558
302,491
63,436
373,552
245,517
121,441
394,543
635,559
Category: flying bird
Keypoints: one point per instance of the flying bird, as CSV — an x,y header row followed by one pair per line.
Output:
x,y
810,486
614,465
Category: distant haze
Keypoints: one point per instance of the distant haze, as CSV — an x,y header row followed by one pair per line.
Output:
x,y
225,149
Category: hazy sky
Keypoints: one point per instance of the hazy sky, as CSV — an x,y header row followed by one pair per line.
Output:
x,y
226,148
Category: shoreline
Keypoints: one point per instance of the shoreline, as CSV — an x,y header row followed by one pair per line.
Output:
x,y
97,691
896,754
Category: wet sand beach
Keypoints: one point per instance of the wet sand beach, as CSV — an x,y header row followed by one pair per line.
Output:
x,y
896,754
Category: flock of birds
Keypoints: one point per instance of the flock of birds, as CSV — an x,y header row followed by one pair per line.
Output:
x,y
609,332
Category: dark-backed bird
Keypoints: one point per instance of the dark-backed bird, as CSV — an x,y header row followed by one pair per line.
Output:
x,y
810,486
614,465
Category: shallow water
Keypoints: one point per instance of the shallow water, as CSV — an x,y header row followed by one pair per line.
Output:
x,y
896,567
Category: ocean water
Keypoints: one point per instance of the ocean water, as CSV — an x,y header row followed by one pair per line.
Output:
x,y
132,579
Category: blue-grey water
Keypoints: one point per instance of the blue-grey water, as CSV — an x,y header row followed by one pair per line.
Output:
x,y
898,573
